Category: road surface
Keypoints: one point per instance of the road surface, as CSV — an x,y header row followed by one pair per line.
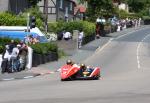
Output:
x,y
124,63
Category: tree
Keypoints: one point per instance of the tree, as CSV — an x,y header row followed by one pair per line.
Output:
x,y
99,8
33,2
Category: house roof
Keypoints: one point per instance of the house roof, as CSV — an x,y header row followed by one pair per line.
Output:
x,y
82,8
79,8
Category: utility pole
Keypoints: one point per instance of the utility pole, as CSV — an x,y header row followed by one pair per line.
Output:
x,y
46,14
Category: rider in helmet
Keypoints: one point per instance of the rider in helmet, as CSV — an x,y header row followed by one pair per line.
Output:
x,y
69,62
82,69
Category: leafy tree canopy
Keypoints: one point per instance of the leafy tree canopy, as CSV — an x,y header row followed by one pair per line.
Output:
x,y
33,2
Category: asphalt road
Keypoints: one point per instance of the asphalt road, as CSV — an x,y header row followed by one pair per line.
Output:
x,y
124,63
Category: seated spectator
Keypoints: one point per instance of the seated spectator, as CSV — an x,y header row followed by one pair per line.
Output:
x,y
67,36
35,40
60,35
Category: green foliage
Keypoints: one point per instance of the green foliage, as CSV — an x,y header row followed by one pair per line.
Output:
x,y
87,27
9,19
99,8
1,48
44,48
146,17
61,53
139,6
33,2
33,11
4,41
136,6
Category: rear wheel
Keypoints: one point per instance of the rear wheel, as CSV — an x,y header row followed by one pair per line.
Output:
x,y
97,77
62,80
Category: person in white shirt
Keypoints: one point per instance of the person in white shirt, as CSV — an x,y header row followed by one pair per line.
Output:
x,y
80,38
67,36
6,54
5,58
14,58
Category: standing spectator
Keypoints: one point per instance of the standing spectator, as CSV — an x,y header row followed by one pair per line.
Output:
x,y
80,38
97,30
6,57
139,22
11,45
23,52
14,58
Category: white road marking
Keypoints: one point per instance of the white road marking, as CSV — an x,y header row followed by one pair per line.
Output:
x,y
7,79
138,49
28,77
101,48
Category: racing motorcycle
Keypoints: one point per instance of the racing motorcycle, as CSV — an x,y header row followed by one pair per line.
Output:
x,y
69,72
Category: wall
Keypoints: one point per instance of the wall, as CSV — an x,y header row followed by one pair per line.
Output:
x,y
3,5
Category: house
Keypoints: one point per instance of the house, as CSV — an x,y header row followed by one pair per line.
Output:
x,y
15,6
67,10
58,9
121,5
80,9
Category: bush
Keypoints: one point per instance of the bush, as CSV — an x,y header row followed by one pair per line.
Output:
x,y
8,19
1,48
146,20
87,27
44,48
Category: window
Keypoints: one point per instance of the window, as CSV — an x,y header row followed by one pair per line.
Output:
x,y
71,6
61,4
66,12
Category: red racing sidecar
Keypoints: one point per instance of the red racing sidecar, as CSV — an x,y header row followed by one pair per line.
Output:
x,y
69,72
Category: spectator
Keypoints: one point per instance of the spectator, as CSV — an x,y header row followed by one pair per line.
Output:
x,y
80,38
6,57
97,30
67,36
14,58
35,40
60,35
11,45
22,57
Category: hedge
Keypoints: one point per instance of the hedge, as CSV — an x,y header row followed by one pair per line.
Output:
x,y
40,48
87,27
8,19
44,48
